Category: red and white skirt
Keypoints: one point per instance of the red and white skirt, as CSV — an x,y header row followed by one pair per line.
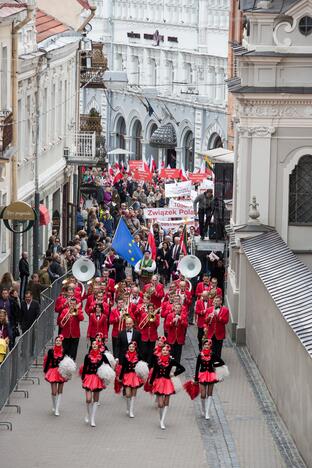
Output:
x,y
163,386
130,379
53,376
207,377
93,383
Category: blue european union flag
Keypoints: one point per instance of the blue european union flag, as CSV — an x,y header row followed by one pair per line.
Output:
x,y
123,243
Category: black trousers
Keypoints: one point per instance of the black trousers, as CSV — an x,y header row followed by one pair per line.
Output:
x,y
204,217
70,346
176,351
23,286
217,347
200,334
147,351
115,346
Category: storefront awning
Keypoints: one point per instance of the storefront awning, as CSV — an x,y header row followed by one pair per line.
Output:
x,y
44,215
219,155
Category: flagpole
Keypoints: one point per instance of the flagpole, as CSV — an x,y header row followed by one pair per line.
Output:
x,y
116,229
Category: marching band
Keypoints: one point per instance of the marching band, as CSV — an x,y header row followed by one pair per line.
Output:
x,y
132,317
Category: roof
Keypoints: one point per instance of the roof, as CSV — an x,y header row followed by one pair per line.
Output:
x,y
164,137
276,6
8,9
84,3
48,26
286,278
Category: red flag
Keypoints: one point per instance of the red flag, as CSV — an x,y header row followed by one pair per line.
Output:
x,y
117,177
183,240
152,166
152,243
183,175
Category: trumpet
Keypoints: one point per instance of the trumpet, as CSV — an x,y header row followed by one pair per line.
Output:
x,y
150,291
72,312
149,318
124,316
212,293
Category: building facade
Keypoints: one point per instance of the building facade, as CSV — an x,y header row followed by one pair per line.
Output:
x,y
270,261
175,56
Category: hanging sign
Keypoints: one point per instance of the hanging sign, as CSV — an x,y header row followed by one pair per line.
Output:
x,y
178,189
167,213
16,215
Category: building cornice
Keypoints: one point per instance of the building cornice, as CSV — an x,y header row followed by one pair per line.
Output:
x,y
281,107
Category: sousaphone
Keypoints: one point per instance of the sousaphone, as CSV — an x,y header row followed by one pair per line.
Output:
x,y
189,266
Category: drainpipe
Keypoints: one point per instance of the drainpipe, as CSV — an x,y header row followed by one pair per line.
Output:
x,y
88,19
14,80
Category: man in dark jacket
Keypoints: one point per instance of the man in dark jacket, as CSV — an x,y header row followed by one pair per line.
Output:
x,y
127,336
23,267
30,311
206,206
55,270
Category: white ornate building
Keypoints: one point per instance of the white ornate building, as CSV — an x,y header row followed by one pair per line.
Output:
x,y
175,52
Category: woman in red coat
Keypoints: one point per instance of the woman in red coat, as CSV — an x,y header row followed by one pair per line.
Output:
x,y
161,382
205,375
91,382
52,375
98,323
129,378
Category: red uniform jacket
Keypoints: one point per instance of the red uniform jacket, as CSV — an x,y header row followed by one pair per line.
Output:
x,y
216,324
149,331
158,294
118,324
201,287
176,333
72,327
97,325
187,295
60,303
201,309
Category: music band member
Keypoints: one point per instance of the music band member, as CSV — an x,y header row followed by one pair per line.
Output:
x,y
130,381
203,285
98,323
51,364
216,319
145,269
91,382
205,375
155,290
177,323
118,322
201,309
148,324
126,336
160,380
69,324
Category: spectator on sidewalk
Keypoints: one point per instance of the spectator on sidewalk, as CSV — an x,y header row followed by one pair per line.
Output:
x,y
80,224
55,270
8,304
35,287
30,311
23,267
7,281
44,278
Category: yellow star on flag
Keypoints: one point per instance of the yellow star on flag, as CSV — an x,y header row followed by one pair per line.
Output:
x,y
133,241
130,251
132,259
130,245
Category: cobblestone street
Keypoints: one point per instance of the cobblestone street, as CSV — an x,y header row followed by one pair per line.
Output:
x,y
236,436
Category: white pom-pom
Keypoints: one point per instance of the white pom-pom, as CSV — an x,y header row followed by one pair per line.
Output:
x,y
106,373
67,367
222,372
176,383
111,359
141,370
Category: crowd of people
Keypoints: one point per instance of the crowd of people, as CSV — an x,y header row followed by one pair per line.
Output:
x,y
143,311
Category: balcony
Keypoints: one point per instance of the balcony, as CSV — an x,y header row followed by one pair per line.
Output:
x,y
91,123
6,134
88,149
92,66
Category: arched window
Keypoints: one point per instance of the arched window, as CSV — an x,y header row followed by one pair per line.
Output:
x,y
300,192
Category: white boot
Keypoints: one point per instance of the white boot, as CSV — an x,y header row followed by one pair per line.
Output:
x,y
128,404
54,397
160,415
57,404
208,404
162,421
203,406
93,411
131,413
87,416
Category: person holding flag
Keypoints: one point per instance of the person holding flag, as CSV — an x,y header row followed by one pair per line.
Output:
x,y
183,241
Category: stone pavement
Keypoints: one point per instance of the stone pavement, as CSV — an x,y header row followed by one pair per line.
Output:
x,y
239,433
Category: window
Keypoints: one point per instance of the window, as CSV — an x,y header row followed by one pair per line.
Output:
x,y
305,25
300,192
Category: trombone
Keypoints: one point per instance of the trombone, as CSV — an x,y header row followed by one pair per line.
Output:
x,y
149,318
72,311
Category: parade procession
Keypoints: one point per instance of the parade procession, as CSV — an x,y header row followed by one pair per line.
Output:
x,y
155,244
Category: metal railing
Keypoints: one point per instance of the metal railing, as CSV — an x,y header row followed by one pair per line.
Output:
x,y
28,347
